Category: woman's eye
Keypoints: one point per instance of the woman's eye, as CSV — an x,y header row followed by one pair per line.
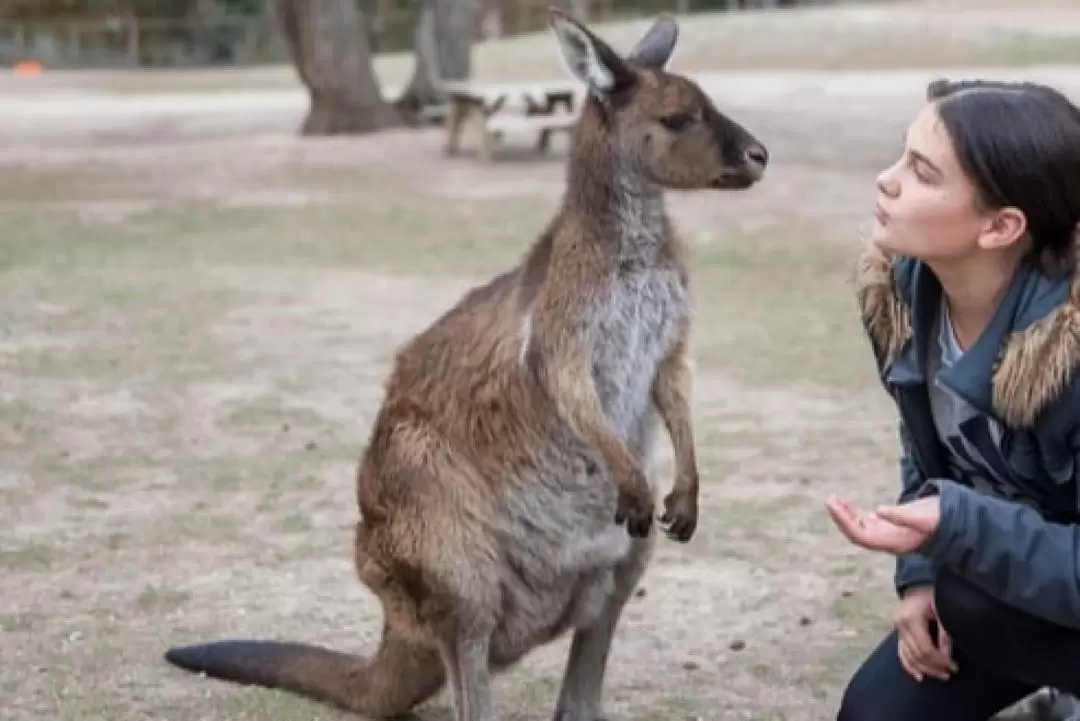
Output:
x,y
919,171
675,123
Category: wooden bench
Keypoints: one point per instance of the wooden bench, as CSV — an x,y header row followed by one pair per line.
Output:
x,y
434,114
494,109
544,125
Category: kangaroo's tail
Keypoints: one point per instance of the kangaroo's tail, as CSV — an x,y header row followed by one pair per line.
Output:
x,y
398,677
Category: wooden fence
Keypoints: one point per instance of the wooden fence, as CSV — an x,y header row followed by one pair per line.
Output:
x,y
247,40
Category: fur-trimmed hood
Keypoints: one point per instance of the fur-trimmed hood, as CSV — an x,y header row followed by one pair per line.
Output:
x,y
1037,357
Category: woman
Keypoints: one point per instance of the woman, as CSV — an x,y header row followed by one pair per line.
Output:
x,y
970,296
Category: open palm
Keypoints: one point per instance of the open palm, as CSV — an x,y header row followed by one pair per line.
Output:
x,y
872,532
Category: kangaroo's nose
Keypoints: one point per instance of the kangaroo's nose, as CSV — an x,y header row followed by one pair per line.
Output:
x,y
757,156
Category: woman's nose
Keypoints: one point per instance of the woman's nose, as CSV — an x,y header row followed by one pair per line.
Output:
x,y
886,184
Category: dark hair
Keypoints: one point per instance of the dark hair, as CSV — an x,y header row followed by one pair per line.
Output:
x,y
1019,144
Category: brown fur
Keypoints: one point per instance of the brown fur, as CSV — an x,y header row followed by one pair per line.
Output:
x,y
1035,364
516,431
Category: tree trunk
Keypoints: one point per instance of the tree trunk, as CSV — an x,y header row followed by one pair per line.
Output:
x,y
455,30
442,50
330,47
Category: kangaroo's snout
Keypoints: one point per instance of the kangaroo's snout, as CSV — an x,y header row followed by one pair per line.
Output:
x,y
756,157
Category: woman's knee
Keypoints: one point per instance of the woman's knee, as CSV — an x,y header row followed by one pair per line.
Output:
x,y
876,690
858,702
865,699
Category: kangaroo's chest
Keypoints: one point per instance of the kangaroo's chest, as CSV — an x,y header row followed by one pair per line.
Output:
x,y
635,324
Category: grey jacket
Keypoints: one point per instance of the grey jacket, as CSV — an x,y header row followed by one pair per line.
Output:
x,y
1021,372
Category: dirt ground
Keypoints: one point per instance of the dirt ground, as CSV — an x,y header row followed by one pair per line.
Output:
x,y
198,307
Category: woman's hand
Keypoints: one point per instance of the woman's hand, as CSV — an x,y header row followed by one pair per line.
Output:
x,y
898,530
892,529
918,654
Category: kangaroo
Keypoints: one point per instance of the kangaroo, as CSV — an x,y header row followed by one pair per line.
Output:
x,y
505,496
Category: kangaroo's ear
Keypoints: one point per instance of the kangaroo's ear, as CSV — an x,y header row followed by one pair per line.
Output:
x,y
587,57
656,47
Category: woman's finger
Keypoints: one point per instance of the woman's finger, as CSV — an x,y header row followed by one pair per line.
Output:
x,y
916,631
841,509
921,515
905,661
844,521
944,642
934,665
927,657
899,515
845,505
853,524
924,667
924,655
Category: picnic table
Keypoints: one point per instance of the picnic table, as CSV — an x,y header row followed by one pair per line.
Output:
x,y
492,109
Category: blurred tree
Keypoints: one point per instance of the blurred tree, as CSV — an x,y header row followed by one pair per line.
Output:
x,y
242,7
42,9
442,50
26,9
330,47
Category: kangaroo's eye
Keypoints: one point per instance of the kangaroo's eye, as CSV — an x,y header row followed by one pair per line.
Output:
x,y
676,123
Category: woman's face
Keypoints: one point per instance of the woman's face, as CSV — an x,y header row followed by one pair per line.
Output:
x,y
926,206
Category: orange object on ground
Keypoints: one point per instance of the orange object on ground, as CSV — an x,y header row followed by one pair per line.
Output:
x,y
28,67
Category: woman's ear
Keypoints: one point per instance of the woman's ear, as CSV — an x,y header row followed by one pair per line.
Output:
x,y
1007,226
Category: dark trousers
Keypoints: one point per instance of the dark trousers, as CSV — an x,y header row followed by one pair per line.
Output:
x,y
1003,655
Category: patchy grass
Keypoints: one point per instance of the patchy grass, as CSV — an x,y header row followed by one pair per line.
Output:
x,y
192,385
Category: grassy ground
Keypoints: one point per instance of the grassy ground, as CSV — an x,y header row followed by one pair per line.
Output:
x,y
193,334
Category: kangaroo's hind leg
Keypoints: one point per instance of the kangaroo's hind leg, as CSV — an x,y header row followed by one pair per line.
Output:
x,y
581,695
466,656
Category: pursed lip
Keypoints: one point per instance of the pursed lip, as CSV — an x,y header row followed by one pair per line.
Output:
x,y
880,214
